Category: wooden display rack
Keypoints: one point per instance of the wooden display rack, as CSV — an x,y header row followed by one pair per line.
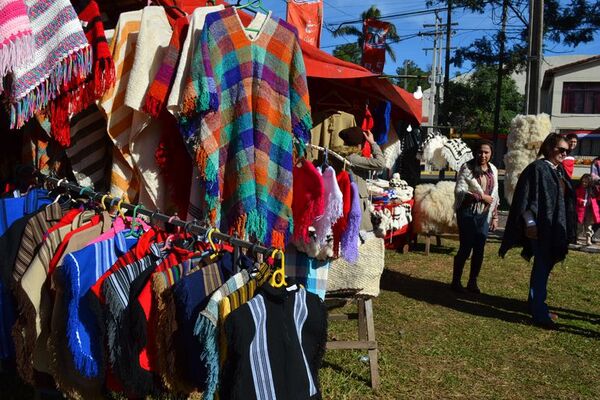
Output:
x,y
366,331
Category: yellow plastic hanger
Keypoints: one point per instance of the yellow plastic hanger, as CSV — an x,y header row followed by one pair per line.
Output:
x,y
212,244
278,276
119,211
102,202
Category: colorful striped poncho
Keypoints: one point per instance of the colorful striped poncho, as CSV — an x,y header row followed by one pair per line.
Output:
x,y
62,62
245,101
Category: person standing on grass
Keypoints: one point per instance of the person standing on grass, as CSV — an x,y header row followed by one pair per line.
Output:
x,y
569,161
476,207
588,209
541,220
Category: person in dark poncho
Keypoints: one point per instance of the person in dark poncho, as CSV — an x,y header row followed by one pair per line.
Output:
x,y
541,220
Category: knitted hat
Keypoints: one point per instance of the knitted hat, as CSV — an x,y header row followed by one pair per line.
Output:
x,y
63,62
308,202
16,39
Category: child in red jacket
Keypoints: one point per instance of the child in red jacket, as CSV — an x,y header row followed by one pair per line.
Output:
x,y
588,210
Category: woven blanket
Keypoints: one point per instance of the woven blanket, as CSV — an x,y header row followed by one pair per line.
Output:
x,y
119,117
258,84
16,38
63,60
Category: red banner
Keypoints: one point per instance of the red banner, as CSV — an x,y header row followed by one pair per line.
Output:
x,y
307,17
375,33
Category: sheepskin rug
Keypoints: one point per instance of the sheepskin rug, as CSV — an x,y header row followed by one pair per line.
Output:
x,y
527,132
433,212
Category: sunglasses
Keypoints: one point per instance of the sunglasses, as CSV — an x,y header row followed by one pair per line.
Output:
x,y
562,150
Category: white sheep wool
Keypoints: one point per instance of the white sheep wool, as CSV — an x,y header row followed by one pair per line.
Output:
x,y
527,132
432,151
433,211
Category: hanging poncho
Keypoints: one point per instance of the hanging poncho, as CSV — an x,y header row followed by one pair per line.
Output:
x,y
16,39
97,83
63,60
257,82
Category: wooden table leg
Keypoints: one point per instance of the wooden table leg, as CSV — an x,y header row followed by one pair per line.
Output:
x,y
373,353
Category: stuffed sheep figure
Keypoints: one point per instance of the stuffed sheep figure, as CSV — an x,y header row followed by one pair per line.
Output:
x,y
527,132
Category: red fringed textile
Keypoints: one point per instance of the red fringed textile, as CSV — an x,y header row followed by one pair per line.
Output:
x,y
308,199
160,88
80,94
341,225
174,163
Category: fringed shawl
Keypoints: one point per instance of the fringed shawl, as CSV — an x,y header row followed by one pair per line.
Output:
x,y
97,83
350,237
340,226
334,206
251,146
17,44
62,63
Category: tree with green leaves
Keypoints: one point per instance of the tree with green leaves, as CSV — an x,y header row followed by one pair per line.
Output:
x,y
471,109
570,23
348,51
409,67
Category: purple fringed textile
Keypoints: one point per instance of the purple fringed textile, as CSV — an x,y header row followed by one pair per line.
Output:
x,y
350,238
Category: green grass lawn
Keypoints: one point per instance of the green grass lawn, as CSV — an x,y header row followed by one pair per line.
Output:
x,y
435,345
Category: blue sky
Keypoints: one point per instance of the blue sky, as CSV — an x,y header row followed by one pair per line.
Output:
x,y
471,26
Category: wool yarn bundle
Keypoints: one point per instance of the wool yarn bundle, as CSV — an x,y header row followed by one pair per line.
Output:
x,y
527,132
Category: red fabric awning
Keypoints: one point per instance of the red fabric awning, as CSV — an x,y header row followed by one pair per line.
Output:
x,y
322,65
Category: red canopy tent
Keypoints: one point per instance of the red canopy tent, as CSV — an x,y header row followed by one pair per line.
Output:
x,y
321,65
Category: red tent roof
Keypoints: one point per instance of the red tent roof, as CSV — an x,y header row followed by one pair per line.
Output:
x,y
320,64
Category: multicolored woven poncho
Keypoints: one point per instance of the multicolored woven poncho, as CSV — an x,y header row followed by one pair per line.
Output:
x,y
244,103
63,60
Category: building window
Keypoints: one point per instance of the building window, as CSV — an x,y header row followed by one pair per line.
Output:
x,y
581,98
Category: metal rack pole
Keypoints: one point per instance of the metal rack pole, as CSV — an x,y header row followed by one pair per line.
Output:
x,y
190,226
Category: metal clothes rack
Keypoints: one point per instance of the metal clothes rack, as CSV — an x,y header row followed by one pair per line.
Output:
x,y
192,227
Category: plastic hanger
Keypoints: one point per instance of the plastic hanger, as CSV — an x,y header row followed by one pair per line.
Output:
x,y
254,6
135,230
278,276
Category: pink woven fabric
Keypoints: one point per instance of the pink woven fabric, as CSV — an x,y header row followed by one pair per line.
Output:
x,y
16,38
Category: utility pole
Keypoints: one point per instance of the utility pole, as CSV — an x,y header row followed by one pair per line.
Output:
x,y
433,88
536,42
446,117
406,73
438,85
501,56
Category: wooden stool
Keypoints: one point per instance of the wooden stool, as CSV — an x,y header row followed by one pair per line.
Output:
x,y
366,333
